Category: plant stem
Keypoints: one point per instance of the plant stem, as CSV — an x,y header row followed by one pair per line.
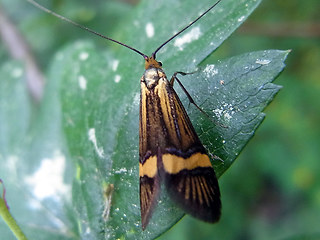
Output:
x,y
5,214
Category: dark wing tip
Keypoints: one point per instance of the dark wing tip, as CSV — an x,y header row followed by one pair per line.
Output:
x,y
197,192
149,191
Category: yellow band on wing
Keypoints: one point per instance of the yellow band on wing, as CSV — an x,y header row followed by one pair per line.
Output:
x,y
149,167
173,164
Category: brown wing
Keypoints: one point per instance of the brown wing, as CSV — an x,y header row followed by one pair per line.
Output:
x,y
148,156
149,187
189,176
170,144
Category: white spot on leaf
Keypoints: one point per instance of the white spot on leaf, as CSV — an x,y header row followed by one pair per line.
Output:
x,y
83,56
115,64
226,111
240,19
136,99
93,139
149,30
190,36
82,82
210,71
117,78
47,181
121,170
263,61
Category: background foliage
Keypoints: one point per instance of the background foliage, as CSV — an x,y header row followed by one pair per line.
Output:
x,y
272,192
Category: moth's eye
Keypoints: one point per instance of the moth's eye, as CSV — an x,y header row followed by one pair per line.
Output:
x,y
160,63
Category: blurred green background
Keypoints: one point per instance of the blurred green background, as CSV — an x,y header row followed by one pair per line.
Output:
x,y
273,189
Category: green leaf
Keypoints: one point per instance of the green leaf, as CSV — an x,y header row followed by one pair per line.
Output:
x,y
233,92
29,145
91,107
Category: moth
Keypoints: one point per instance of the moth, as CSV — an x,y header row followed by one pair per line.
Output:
x,y
170,150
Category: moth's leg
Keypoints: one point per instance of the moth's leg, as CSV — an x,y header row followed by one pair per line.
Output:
x,y
174,77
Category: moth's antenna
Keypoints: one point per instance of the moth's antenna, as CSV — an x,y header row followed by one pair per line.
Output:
x,y
84,28
185,28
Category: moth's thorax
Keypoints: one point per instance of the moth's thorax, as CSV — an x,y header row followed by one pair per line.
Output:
x,y
152,76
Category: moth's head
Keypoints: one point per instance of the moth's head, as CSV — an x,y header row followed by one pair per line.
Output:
x,y
151,62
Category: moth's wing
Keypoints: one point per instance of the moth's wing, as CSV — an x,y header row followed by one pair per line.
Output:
x,y
189,176
195,189
149,153
149,191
